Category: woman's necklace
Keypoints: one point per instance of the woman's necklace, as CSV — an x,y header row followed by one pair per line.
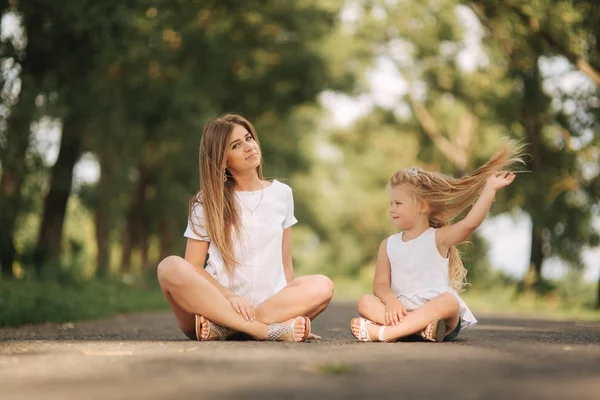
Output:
x,y
252,210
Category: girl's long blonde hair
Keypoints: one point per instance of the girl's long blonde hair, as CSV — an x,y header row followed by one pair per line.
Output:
x,y
216,195
448,197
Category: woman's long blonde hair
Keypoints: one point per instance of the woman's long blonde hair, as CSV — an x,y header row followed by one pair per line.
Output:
x,y
448,197
216,195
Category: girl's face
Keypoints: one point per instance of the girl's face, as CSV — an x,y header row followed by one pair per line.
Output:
x,y
404,209
243,152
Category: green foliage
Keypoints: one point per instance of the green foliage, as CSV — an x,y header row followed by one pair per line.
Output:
x,y
459,115
156,72
345,197
140,80
344,190
565,299
54,300
496,292
560,124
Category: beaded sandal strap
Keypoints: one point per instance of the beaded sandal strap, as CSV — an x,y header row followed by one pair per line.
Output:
x,y
277,331
220,331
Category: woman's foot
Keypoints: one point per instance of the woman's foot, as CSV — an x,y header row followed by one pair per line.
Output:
x,y
293,330
367,331
210,331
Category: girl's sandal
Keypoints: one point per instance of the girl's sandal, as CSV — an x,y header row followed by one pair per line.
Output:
x,y
276,332
363,334
435,331
216,332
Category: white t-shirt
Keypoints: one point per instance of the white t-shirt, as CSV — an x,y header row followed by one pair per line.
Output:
x,y
265,214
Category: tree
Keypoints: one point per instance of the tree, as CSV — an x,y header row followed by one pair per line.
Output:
x,y
442,124
558,195
259,59
80,39
22,113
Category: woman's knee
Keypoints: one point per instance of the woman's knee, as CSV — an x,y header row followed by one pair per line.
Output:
x,y
321,288
170,270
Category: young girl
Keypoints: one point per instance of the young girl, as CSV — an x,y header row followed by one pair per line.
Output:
x,y
419,270
242,223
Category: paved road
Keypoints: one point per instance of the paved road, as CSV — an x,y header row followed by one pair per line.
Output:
x,y
144,356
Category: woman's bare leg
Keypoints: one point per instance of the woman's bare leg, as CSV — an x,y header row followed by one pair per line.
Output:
x,y
189,293
307,296
444,306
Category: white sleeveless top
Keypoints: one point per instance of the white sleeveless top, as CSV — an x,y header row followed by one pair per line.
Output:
x,y
259,273
419,273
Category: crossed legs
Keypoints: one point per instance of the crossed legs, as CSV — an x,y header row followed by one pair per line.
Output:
x,y
189,293
444,306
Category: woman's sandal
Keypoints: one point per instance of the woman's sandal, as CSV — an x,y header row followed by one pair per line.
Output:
x,y
435,331
363,334
277,331
216,332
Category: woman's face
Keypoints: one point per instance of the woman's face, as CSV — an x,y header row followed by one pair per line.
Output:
x,y
243,152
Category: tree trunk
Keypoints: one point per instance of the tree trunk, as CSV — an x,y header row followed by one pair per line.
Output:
x,y
49,239
536,259
598,297
531,120
13,171
103,217
133,231
144,245
166,238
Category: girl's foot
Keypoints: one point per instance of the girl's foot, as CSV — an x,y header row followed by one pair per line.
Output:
x,y
367,331
210,331
293,330
435,331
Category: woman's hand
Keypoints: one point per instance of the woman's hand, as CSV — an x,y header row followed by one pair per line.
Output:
x,y
394,312
242,305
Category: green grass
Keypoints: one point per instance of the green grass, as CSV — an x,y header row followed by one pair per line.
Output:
x,y
504,299
570,299
63,300
333,368
33,301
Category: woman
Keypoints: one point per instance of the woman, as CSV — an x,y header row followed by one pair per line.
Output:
x,y
242,223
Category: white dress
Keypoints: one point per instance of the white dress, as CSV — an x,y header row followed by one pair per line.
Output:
x,y
420,273
265,214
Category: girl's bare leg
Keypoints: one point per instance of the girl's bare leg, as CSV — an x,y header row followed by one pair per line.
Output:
x,y
307,296
444,306
189,293
372,308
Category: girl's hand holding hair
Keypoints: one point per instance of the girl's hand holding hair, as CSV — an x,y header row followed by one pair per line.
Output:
x,y
498,181
450,235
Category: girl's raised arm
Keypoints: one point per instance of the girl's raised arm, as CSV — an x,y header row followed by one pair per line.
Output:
x,y
451,235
